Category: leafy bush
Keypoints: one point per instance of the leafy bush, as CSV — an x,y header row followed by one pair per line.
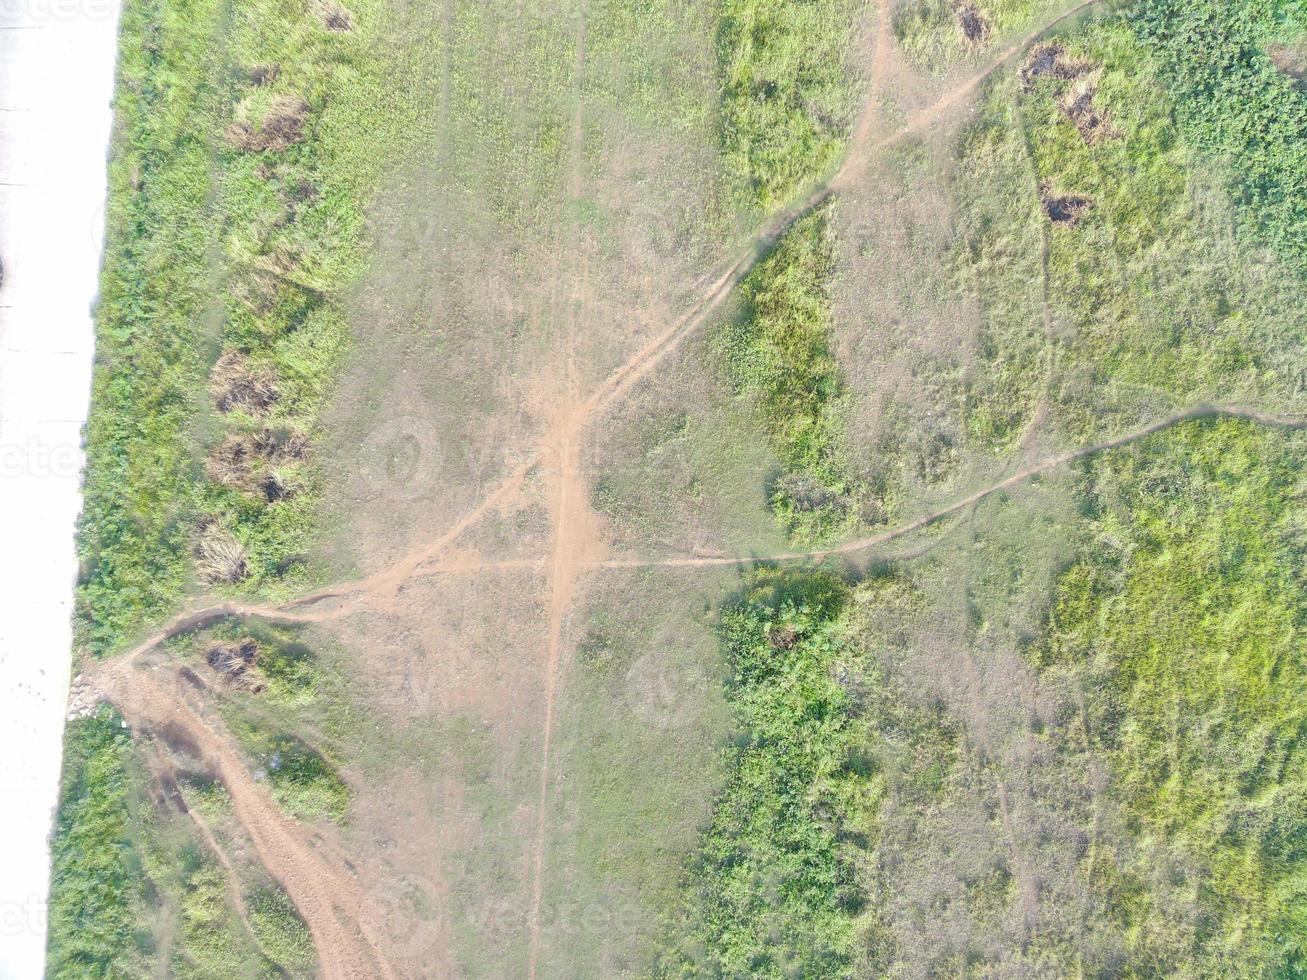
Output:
x,y
1233,102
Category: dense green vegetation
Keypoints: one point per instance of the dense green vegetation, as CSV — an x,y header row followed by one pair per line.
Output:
x,y
1186,620
95,893
133,888
236,181
776,355
773,889
1234,103
281,933
787,95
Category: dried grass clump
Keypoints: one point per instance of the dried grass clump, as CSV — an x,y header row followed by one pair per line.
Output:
x,y
282,127
333,16
1063,209
783,638
233,461
235,663
281,446
265,74
236,384
1050,61
220,557
971,22
250,463
1076,101
1077,104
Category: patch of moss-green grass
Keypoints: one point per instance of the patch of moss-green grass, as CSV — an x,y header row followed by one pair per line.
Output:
x,y
788,94
96,893
281,932
777,356
1187,621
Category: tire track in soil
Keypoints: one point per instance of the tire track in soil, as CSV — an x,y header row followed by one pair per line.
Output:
x,y
328,899
575,537
1247,413
307,880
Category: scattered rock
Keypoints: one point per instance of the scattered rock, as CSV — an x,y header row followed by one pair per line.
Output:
x,y
83,700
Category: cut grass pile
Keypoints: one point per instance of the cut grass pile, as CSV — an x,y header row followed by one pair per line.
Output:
x,y
1186,621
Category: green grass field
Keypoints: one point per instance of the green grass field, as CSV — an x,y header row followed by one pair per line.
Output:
x,y
351,273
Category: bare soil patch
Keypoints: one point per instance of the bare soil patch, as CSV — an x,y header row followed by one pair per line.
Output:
x,y
1290,60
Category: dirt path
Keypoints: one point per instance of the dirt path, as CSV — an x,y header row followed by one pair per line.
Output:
x,y
1055,462
326,897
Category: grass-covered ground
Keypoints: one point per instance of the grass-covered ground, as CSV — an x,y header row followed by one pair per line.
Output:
x,y
1184,619
240,165
137,892
1056,734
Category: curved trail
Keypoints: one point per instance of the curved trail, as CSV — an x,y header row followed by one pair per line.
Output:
x,y
890,534
328,899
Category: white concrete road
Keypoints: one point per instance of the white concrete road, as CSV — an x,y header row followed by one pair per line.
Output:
x,y
56,81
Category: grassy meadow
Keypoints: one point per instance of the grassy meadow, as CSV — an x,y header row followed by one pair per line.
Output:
x,y
1058,732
